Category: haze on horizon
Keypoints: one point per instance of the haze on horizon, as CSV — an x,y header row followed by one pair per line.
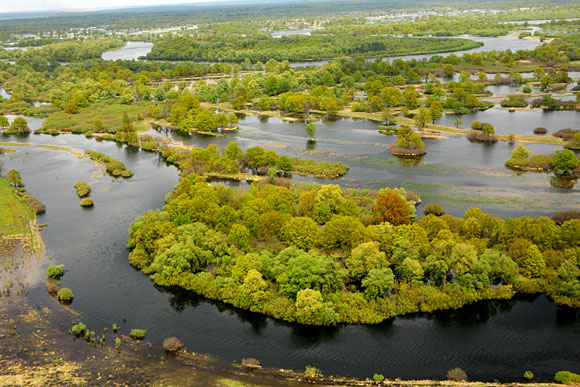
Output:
x,y
82,5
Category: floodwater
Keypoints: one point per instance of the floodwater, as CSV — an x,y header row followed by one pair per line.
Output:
x,y
132,50
489,340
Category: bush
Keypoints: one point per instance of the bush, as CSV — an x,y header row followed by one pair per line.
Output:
x,y
82,188
78,329
65,295
87,202
55,272
528,375
251,364
565,134
138,334
117,343
435,209
540,130
172,344
457,375
567,377
312,372
378,377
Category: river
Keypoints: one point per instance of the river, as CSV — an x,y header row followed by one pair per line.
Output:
x,y
489,340
135,50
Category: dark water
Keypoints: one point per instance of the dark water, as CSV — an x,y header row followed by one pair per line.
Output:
x,y
489,340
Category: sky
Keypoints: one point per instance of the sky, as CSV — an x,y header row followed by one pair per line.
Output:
x,y
79,5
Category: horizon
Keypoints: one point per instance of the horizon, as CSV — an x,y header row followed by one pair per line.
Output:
x,y
56,6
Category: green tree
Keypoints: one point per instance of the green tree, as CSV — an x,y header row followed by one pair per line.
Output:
x,y
378,283
411,270
13,177
564,161
534,263
205,121
364,258
4,123
19,124
310,130
301,232
311,309
458,122
239,236
233,151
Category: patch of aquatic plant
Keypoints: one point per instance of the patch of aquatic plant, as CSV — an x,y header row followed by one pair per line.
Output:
x,y
65,295
138,334
87,202
83,189
55,272
113,166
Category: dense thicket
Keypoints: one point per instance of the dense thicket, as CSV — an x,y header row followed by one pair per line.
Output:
x,y
317,255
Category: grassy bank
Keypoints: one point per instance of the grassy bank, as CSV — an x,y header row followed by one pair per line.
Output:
x,y
15,214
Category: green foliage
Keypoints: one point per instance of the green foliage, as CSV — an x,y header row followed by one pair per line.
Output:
x,y
87,202
65,294
564,161
55,272
378,377
113,166
566,377
13,177
304,254
78,329
83,189
533,264
138,334
310,129
434,209
529,375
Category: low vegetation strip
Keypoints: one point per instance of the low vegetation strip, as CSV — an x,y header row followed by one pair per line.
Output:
x,y
113,166
15,214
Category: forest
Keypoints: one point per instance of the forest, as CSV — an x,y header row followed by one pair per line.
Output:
x,y
318,255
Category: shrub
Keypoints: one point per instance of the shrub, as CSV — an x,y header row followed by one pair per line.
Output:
x,y
65,294
251,364
172,344
118,343
378,377
528,375
565,134
567,377
55,272
457,375
87,202
82,188
78,329
540,130
138,334
312,372
435,209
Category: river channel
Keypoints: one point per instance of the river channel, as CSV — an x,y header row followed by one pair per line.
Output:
x,y
489,340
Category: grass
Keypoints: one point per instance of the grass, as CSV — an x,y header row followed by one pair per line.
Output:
x,y
110,115
14,213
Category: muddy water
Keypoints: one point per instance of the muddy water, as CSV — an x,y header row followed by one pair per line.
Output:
x,y
491,340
